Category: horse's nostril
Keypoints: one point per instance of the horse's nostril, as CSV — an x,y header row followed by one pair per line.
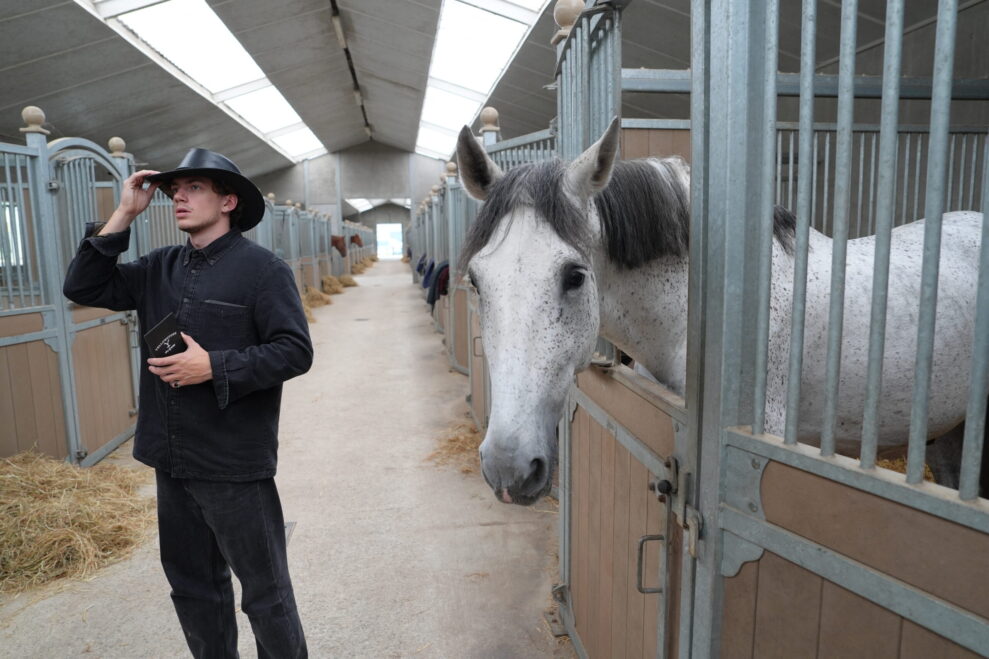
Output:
x,y
537,476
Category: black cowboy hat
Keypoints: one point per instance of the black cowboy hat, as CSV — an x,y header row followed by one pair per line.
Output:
x,y
201,162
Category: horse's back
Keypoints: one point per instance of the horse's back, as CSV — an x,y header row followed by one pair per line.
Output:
x,y
955,322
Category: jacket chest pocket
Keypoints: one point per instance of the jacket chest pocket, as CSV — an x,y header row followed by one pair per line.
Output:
x,y
225,325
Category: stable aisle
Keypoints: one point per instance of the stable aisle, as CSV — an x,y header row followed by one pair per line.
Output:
x,y
391,555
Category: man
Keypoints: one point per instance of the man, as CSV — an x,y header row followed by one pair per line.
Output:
x,y
208,419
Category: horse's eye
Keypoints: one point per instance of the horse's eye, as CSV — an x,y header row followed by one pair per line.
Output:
x,y
573,279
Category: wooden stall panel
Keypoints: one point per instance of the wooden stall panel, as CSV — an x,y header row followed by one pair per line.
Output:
x,y
611,508
799,613
935,555
478,374
81,314
23,323
636,410
31,401
655,143
775,608
309,272
103,384
460,343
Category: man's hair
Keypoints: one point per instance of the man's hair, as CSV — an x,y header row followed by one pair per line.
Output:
x,y
221,187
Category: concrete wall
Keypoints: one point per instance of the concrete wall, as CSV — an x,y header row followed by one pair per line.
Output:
x,y
369,171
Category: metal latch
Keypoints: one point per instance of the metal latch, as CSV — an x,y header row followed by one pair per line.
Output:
x,y
662,487
692,525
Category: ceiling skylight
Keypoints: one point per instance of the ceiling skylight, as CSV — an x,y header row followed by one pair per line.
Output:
x,y
475,42
361,205
189,40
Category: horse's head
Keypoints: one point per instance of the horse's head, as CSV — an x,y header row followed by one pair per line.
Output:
x,y
529,254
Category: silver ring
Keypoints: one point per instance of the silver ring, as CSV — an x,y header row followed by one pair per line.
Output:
x,y
175,385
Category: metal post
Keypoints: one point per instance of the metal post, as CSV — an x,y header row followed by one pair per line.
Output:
x,y
730,183
44,210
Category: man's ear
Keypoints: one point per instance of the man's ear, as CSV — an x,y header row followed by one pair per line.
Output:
x,y
230,202
590,173
478,172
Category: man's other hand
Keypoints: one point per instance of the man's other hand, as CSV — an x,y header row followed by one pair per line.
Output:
x,y
185,368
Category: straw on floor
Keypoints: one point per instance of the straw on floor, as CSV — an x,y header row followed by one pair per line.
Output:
x,y
59,521
458,447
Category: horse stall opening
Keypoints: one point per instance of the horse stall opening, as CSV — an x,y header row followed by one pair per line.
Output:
x,y
764,525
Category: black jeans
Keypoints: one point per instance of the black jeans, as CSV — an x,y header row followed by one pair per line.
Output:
x,y
208,527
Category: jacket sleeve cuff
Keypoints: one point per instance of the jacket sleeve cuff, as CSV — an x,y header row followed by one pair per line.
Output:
x,y
221,383
108,244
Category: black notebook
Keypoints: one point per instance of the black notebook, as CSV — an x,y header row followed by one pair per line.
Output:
x,y
164,339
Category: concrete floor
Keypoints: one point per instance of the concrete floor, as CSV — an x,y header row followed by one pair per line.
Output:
x,y
391,555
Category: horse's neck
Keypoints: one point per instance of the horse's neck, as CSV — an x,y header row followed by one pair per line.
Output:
x,y
644,312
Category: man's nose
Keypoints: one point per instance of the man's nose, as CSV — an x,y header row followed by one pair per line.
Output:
x,y
179,194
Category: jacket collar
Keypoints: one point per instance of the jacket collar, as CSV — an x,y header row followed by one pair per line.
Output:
x,y
214,251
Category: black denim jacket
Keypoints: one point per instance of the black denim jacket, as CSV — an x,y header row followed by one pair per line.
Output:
x,y
240,303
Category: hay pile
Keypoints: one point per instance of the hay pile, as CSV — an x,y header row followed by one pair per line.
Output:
x,y
309,314
358,268
458,446
347,280
373,257
331,285
900,465
406,259
59,521
315,298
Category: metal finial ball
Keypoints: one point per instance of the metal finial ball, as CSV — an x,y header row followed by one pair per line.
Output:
x,y
451,168
271,196
435,189
33,116
489,117
565,12
117,146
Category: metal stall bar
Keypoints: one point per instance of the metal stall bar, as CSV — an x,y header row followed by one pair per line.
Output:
x,y
843,176
944,55
883,229
808,33
770,161
975,417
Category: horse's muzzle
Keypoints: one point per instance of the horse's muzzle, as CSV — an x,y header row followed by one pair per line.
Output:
x,y
522,487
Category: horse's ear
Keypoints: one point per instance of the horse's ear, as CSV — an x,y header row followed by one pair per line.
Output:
x,y
590,172
477,170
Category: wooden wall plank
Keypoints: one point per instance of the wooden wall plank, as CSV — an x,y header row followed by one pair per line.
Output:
x,y
620,564
607,534
460,326
942,555
652,573
23,323
579,546
650,424
82,314
787,609
25,417
40,387
596,438
738,621
852,626
673,579
57,406
8,430
917,642
637,528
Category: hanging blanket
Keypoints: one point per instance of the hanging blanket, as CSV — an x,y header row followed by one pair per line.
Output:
x,y
439,284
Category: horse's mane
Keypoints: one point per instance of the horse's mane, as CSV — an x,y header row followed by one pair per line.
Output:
x,y
644,211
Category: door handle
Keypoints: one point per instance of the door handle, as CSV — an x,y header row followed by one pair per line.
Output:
x,y
639,576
